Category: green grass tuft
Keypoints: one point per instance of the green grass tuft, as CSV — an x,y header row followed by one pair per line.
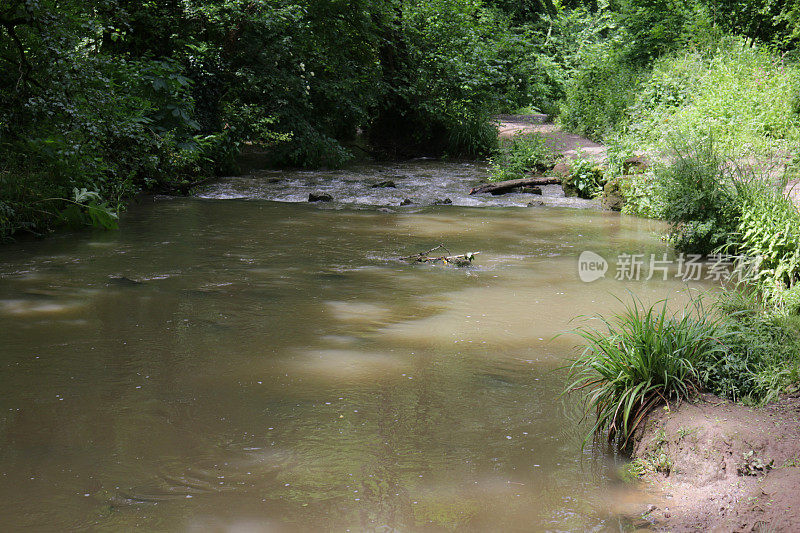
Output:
x,y
639,358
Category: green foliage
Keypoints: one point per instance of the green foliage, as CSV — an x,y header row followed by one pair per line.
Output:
x,y
763,20
86,208
448,64
738,349
699,197
762,351
639,358
658,27
769,231
740,95
600,92
644,196
118,96
609,71
522,154
586,179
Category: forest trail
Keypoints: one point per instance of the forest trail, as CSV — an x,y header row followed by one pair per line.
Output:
x,y
569,145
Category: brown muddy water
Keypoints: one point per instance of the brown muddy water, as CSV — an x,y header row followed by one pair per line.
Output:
x,y
231,365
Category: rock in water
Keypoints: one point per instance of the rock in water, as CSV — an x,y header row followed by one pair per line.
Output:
x,y
446,201
613,199
407,201
319,197
388,184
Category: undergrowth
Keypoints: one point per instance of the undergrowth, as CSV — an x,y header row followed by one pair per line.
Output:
x,y
735,348
522,154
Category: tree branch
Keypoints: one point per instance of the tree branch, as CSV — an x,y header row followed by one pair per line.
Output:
x,y
25,68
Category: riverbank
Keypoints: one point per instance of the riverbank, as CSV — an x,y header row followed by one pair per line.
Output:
x,y
718,466
566,145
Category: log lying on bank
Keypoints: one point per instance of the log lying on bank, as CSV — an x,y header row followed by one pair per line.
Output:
x,y
502,187
425,257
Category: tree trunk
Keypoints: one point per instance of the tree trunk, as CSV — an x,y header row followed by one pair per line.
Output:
x,y
503,187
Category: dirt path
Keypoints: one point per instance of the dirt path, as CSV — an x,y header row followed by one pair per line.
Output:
x,y
569,145
725,467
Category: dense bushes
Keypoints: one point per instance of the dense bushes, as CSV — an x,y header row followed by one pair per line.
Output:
x,y
699,199
609,71
762,351
741,96
586,178
769,231
599,94
118,96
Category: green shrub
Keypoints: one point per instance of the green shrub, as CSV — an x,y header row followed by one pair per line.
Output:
x,y
700,199
644,196
585,180
769,231
521,154
639,358
599,94
762,351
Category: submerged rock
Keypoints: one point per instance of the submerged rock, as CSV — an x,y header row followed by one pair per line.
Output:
x,y
388,184
319,197
407,201
446,201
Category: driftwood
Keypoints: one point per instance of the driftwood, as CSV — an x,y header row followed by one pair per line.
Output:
x,y
502,187
425,257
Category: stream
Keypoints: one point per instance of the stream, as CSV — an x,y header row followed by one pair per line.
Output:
x,y
244,360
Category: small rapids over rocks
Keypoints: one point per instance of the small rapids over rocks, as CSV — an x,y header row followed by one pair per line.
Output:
x,y
415,183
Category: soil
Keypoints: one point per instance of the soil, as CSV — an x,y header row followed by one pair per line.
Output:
x,y
569,145
724,466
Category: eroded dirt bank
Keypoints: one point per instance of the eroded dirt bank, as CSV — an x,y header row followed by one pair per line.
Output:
x,y
718,466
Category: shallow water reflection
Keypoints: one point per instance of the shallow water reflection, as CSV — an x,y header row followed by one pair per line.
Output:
x,y
253,366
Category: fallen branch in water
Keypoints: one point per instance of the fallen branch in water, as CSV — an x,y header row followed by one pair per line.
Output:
x,y
425,257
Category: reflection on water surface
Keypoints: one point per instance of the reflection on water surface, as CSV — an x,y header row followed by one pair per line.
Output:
x,y
254,366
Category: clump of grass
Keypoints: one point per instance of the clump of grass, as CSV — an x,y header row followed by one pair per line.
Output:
x,y
700,199
639,358
524,153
